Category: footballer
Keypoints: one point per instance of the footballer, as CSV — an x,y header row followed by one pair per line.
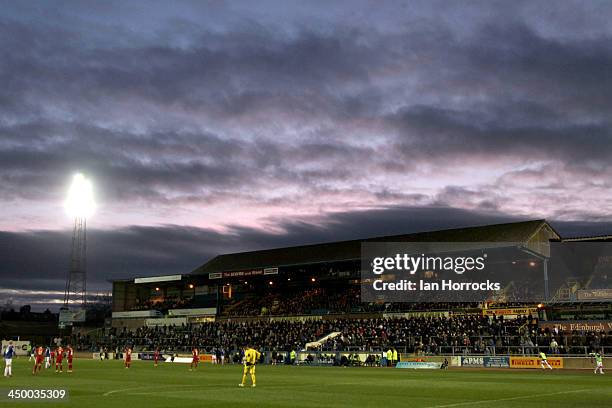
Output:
x,y
47,357
38,360
127,357
59,358
544,361
156,357
598,362
251,357
69,356
195,359
9,353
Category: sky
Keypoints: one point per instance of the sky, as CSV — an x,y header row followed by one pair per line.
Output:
x,y
214,127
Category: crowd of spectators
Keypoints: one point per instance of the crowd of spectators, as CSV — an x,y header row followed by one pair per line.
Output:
x,y
338,309
162,304
323,301
314,301
430,335
457,334
575,342
282,335
465,331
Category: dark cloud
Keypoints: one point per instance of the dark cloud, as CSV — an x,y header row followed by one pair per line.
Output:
x,y
222,114
466,135
277,97
38,260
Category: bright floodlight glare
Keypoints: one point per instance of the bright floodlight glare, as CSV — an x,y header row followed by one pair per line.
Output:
x,y
80,201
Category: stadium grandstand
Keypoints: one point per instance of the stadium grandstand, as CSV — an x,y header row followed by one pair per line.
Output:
x,y
308,298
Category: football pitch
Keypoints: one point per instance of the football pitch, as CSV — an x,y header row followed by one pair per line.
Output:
x,y
106,384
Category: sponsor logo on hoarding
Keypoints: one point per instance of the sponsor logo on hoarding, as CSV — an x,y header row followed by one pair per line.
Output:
x,y
205,358
512,311
496,362
145,356
534,362
418,365
270,271
193,312
472,361
584,325
594,294
234,274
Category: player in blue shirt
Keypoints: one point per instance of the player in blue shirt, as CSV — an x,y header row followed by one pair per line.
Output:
x,y
8,354
47,357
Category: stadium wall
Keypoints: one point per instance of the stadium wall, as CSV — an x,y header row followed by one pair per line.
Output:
x,y
467,362
582,363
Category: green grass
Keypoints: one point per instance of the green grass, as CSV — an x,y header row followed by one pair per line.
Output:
x,y
107,384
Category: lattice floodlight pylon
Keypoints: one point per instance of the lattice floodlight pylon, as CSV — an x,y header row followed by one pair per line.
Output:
x,y
75,295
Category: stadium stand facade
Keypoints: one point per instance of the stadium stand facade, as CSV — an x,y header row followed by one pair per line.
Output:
x,y
287,298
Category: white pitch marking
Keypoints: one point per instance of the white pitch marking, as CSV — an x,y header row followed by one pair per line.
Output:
x,y
106,394
459,404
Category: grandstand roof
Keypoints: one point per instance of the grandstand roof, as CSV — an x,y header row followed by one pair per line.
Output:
x,y
351,250
594,238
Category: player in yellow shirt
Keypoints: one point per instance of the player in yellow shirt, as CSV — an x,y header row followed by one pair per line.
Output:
x,y
251,357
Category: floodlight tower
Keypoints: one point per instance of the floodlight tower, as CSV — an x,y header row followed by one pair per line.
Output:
x,y
80,206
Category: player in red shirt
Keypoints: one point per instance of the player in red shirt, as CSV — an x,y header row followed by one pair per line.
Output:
x,y
59,357
69,355
195,354
128,357
38,361
156,357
